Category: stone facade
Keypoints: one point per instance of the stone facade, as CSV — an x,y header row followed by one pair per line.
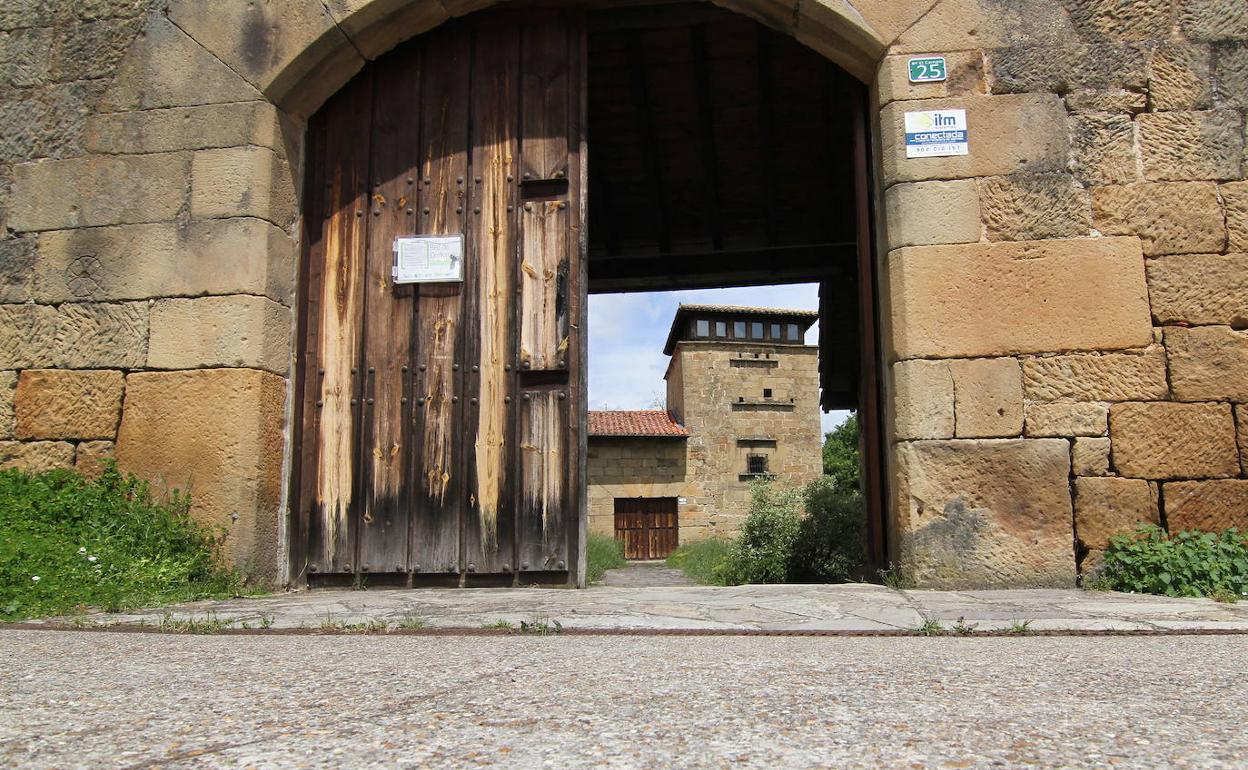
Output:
x,y
734,399
1109,265
1094,240
635,467
148,200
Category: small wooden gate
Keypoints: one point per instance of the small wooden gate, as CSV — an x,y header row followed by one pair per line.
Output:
x,y
437,423
648,526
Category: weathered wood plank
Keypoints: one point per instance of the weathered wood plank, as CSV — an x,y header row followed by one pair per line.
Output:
x,y
340,311
543,480
545,98
307,379
388,314
578,305
544,267
437,418
489,533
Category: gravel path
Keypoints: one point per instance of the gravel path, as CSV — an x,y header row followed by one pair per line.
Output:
x,y
116,700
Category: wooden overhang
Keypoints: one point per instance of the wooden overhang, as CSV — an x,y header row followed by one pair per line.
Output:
x,y
720,153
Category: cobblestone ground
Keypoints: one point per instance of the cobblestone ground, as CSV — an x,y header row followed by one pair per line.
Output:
x,y
119,700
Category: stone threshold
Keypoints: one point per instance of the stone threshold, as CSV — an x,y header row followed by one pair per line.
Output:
x,y
848,609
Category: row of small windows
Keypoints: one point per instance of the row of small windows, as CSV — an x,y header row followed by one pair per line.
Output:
x,y
776,332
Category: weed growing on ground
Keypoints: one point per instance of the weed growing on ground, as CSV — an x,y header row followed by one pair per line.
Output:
x,y
412,623
1019,627
541,627
602,553
209,624
1189,563
367,627
893,578
962,628
500,625
930,627
69,544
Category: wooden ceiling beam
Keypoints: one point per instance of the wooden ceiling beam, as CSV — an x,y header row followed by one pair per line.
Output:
x,y
767,133
706,126
710,270
649,146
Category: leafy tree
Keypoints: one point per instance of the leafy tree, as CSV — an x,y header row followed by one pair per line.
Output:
x,y
840,456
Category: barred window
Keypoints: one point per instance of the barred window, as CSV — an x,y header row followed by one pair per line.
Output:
x,y
756,464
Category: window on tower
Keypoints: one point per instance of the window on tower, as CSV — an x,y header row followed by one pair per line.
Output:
x,y
756,464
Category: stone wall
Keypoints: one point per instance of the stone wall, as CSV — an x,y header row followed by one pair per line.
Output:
x,y
1066,306
147,262
633,467
717,390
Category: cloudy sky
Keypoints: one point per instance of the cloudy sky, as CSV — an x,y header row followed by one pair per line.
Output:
x,y
627,332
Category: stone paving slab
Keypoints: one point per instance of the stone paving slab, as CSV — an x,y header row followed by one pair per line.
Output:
x,y
787,608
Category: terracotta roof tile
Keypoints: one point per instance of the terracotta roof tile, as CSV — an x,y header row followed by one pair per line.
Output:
x,y
648,422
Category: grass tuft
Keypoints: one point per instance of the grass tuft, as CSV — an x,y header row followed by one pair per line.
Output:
x,y
602,553
702,560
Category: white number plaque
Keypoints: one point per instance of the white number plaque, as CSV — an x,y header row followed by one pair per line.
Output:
x,y
428,259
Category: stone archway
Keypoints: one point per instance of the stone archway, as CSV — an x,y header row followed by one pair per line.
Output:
x,y
297,54
244,76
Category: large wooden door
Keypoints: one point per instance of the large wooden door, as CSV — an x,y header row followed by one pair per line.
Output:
x,y
647,526
439,424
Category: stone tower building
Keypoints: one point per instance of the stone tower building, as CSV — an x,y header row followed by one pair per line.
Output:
x,y
742,403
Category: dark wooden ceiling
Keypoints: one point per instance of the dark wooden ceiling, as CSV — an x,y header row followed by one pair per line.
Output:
x,y
720,153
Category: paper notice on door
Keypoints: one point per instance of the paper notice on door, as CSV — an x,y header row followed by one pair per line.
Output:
x,y
428,259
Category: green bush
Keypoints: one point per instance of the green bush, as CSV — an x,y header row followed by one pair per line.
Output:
x,y
602,552
829,544
701,560
762,551
67,544
1186,564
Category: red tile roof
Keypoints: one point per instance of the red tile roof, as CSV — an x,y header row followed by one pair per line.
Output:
x,y
649,422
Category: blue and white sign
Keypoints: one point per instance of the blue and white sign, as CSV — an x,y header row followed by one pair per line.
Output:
x,y
936,133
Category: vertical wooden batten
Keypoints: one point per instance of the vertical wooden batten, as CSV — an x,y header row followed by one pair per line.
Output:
x,y
489,523
307,377
437,451
388,318
339,329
